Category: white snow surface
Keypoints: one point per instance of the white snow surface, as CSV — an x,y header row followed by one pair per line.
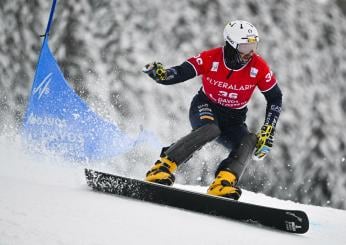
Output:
x,y
46,201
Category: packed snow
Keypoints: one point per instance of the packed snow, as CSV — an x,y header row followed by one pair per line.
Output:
x,y
46,201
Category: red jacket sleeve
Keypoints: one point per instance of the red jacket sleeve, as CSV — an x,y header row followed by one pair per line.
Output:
x,y
200,62
267,80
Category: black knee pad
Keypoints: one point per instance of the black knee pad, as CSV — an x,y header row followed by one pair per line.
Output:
x,y
183,149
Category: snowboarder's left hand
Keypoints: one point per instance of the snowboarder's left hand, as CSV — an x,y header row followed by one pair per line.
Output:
x,y
265,139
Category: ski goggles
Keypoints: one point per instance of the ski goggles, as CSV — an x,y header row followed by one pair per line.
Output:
x,y
251,45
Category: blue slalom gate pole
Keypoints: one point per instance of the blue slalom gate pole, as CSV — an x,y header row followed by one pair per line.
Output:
x,y
50,20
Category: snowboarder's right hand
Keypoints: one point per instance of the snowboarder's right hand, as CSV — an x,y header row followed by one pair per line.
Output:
x,y
156,71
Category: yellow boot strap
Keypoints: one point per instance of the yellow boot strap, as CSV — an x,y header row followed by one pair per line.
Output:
x,y
226,175
172,166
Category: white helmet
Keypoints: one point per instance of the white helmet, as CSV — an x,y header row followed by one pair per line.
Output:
x,y
241,35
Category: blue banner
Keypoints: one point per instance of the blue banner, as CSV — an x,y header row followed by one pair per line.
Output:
x,y
58,120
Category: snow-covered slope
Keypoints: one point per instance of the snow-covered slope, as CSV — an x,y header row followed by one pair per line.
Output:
x,y
47,202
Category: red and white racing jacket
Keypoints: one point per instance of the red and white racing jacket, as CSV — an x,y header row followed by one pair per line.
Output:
x,y
231,88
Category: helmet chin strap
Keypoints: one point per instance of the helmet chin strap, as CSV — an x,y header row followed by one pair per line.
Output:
x,y
232,57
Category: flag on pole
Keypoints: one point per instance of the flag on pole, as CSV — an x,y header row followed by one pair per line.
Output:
x,y
58,120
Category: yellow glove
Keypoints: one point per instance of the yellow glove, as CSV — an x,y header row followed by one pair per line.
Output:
x,y
264,142
156,71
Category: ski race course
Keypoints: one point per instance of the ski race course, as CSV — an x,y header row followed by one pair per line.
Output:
x,y
49,202
46,200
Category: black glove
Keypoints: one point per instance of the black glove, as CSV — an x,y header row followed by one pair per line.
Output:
x,y
156,71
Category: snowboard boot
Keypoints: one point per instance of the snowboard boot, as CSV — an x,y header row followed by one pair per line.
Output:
x,y
162,172
224,185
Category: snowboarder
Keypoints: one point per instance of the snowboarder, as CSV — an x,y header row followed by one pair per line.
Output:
x,y
230,74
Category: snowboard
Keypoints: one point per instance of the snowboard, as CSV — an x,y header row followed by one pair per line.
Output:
x,y
293,221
